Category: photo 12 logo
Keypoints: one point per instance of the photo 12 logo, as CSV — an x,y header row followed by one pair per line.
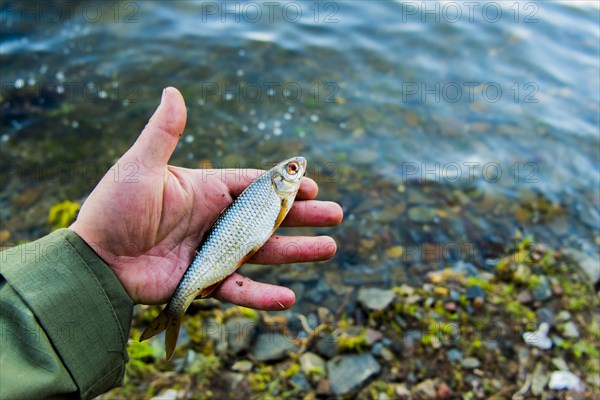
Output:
x,y
270,11
469,11
126,12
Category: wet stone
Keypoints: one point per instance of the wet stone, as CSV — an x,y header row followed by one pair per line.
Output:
x,y
524,297
455,355
542,290
240,332
310,362
375,299
300,381
474,292
545,315
570,330
470,363
349,373
272,347
422,215
539,379
426,389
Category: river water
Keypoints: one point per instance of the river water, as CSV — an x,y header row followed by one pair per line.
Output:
x,y
443,129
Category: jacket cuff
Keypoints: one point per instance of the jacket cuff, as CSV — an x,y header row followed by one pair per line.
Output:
x,y
79,302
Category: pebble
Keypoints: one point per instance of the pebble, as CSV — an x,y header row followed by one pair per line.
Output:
x,y
475,291
590,265
374,298
347,373
300,381
444,392
524,297
311,362
455,355
470,363
240,332
450,306
272,347
539,338
565,380
560,364
570,330
542,291
169,394
386,354
402,392
422,215
324,388
426,389
242,366
372,336
546,315
539,379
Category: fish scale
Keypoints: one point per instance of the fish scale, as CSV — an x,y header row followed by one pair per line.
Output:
x,y
240,230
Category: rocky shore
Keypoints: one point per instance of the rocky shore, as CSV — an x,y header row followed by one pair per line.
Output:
x,y
530,329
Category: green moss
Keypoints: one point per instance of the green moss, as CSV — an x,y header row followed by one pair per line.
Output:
x,y
61,215
352,343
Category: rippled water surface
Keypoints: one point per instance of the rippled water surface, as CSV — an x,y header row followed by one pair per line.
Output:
x,y
443,129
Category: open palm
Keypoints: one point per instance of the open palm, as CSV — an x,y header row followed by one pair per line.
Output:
x,y
145,218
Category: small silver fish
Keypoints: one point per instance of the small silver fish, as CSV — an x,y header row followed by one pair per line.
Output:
x,y
240,230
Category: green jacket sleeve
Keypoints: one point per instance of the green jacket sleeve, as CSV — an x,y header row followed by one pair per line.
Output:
x,y
64,320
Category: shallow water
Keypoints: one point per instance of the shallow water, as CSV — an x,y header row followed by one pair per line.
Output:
x,y
442,128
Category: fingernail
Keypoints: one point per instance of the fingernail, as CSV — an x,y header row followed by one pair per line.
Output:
x,y
163,94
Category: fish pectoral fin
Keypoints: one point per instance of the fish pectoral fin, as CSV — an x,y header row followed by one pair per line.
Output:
x,y
207,291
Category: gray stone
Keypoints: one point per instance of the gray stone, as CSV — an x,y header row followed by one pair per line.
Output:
x,y
374,298
348,373
470,363
539,379
539,338
242,366
272,347
590,265
565,380
311,363
542,290
233,378
474,292
524,297
240,332
426,389
570,330
455,355
560,364
546,315
300,381
422,215
327,344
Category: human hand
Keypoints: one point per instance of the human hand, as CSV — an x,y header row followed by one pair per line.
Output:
x,y
145,218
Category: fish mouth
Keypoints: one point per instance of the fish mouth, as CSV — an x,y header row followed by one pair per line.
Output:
x,y
302,161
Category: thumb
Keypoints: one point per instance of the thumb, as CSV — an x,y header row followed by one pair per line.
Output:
x,y
159,138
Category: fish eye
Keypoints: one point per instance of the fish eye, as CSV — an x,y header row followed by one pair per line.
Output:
x,y
292,168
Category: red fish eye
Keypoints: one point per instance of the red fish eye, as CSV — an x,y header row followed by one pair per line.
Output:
x,y
292,168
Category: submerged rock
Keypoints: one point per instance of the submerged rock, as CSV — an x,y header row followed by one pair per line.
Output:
x,y
240,332
470,363
349,373
374,298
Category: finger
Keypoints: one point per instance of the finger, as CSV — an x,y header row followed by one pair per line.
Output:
x,y
238,179
314,213
159,138
245,292
291,249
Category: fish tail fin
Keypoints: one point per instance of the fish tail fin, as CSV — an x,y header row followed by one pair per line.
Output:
x,y
171,336
160,323
157,326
